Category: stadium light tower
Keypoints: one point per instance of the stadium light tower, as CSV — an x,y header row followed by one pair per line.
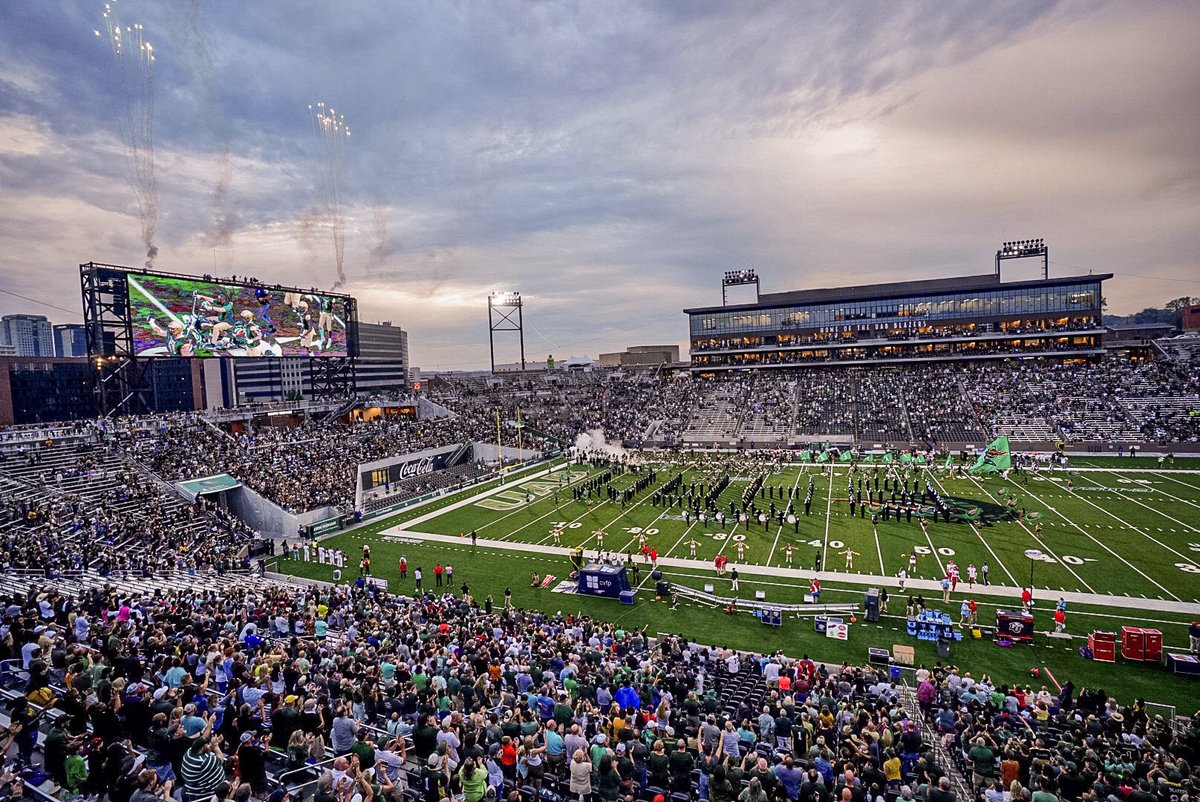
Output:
x,y
504,314
738,278
1025,249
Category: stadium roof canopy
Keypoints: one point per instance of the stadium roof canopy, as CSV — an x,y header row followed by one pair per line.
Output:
x,y
897,289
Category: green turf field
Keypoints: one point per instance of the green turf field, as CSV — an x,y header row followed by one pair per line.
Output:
x,y
1126,531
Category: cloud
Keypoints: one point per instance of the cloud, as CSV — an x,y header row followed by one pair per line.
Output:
x,y
610,160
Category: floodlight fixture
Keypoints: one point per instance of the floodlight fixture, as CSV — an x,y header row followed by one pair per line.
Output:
x,y
736,278
1024,249
505,299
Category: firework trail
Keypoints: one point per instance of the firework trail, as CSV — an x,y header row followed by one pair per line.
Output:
x,y
133,60
335,137
224,220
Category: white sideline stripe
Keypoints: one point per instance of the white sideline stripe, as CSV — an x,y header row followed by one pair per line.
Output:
x,y
801,577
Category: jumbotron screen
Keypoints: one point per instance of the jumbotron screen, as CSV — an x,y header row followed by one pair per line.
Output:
x,y
189,317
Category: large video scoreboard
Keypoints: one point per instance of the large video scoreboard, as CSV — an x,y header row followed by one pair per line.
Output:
x,y
179,316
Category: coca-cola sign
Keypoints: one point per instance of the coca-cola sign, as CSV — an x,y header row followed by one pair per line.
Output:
x,y
417,467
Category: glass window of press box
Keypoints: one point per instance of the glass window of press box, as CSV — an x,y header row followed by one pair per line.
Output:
x,y
982,304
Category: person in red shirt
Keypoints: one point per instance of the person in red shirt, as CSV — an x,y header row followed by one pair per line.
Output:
x,y
973,612
1060,620
508,759
814,588
653,558
719,562
404,568
1026,598
437,574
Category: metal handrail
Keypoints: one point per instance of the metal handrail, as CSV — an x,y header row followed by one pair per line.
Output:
x,y
279,778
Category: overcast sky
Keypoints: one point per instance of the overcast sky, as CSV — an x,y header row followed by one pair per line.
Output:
x,y
609,160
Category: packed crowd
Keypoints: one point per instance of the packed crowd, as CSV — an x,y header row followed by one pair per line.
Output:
x,y
312,464
1016,743
70,507
350,694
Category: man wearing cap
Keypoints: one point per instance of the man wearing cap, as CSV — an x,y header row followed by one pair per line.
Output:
x,y
203,769
192,724
1194,637
251,762
449,737
285,720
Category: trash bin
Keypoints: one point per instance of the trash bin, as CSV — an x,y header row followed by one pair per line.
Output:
x,y
894,673
943,647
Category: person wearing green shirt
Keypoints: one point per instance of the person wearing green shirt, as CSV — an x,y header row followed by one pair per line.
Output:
x,y
76,769
321,628
563,714
941,792
364,750
599,749
983,762
473,779
681,765
1044,794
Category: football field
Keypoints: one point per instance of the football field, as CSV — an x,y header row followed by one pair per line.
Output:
x,y
1133,533
1120,543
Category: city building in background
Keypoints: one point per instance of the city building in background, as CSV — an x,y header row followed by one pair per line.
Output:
x,y
70,339
31,335
1191,319
381,367
39,389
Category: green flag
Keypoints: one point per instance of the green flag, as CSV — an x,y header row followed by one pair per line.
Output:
x,y
919,459
905,457
823,456
949,462
806,455
888,459
845,456
996,457
869,459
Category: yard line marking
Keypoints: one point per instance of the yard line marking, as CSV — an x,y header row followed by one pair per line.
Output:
x,y
878,550
681,537
1136,529
587,511
1177,498
1101,544
995,556
620,515
783,523
624,549
828,511
1039,541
